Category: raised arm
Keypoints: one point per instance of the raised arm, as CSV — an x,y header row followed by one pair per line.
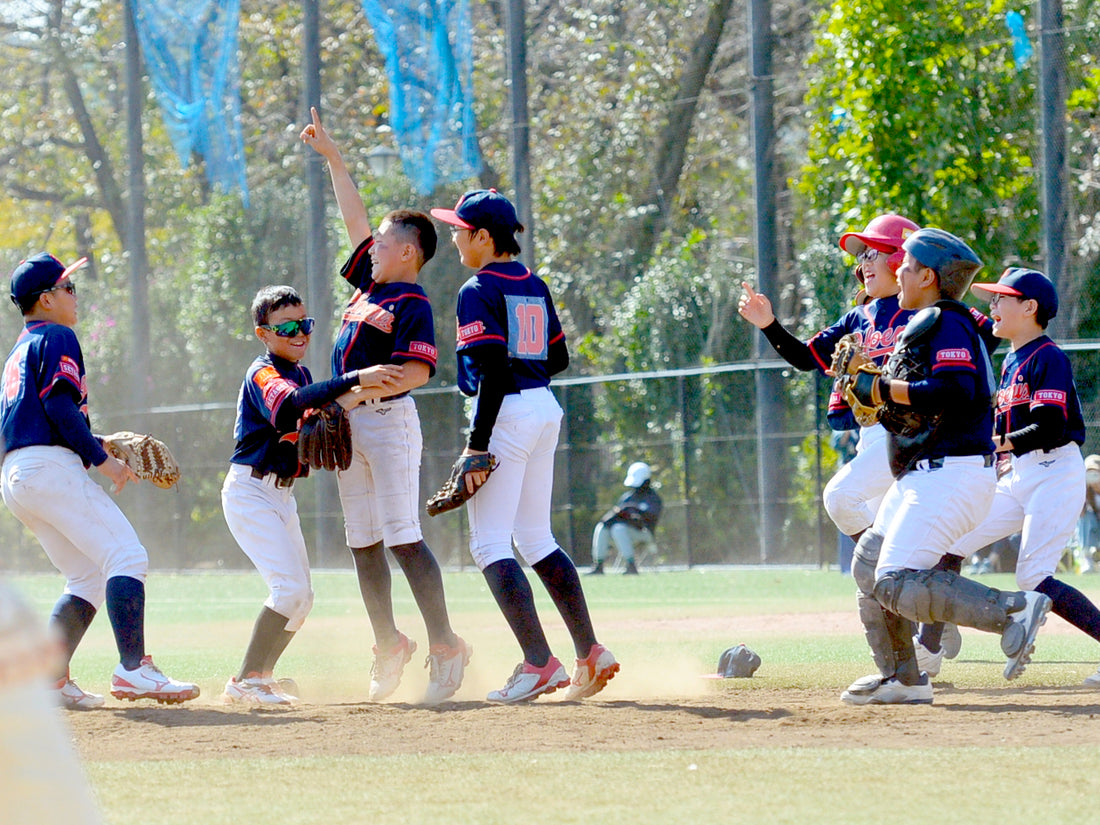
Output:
x,y
352,209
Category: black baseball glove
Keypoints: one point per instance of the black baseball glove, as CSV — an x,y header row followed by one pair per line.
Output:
x,y
455,492
324,438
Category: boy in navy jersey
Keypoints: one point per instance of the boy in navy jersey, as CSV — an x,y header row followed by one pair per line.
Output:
x,y
937,390
388,321
1038,427
510,342
257,498
45,484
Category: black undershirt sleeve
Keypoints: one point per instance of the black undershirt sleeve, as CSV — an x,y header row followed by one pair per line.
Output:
x,y
496,382
557,358
312,396
1047,433
790,349
67,419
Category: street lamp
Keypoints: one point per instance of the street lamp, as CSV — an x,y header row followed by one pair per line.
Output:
x,y
382,160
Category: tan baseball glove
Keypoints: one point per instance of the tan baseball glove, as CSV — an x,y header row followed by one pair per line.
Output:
x,y
148,457
851,367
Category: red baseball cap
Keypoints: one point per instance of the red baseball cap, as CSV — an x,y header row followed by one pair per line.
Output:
x,y
886,233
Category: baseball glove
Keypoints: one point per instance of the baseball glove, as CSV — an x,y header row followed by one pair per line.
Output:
x,y
324,438
454,492
857,379
148,457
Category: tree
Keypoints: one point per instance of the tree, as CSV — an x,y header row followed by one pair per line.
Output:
x,y
922,110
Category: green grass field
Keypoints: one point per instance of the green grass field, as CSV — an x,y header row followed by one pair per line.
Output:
x,y
667,629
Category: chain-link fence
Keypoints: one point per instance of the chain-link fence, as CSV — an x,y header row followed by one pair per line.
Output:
x,y
705,457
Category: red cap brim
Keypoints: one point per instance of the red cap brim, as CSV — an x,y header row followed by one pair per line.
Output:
x,y
71,268
451,217
864,240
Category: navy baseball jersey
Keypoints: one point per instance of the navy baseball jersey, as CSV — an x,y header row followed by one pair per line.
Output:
x,y
383,323
877,326
961,385
505,304
46,359
1038,375
261,442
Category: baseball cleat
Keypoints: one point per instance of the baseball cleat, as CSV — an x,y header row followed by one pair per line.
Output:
x,y
592,673
529,682
71,697
927,661
146,681
951,641
446,666
385,672
1018,638
875,690
254,691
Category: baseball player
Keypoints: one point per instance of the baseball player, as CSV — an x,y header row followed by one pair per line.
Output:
x,y
257,497
936,394
389,321
630,522
851,496
45,483
510,342
1038,426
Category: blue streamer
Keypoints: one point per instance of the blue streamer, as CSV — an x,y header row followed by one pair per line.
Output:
x,y
1021,46
190,51
428,50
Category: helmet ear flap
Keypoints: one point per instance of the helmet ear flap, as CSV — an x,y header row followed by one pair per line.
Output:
x,y
894,261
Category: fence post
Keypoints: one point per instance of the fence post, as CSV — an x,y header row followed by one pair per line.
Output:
x,y
685,434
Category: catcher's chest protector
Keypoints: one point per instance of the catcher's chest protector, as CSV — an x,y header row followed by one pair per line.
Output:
x,y
910,430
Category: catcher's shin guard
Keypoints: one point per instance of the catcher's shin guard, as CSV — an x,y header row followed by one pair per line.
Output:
x,y
876,624
941,596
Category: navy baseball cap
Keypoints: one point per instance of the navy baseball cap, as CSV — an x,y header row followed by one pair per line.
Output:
x,y
39,273
1029,284
481,209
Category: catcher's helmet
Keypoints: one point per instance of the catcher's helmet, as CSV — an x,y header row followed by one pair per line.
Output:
x,y
886,233
738,662
954,263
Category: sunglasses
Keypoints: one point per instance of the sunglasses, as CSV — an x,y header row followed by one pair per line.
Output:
x,y
68,286
867,255
288,329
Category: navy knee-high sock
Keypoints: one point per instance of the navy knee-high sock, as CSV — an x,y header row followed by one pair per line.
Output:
x,y
126,609
70,618
559,575
373,572
513,595
1072,605
426,582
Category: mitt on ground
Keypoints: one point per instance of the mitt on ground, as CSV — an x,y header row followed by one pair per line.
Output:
x,y
454,491
148,457
738,662
324,438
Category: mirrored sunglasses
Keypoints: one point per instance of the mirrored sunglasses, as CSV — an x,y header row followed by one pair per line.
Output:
x,y
288,329
68,286
867,255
